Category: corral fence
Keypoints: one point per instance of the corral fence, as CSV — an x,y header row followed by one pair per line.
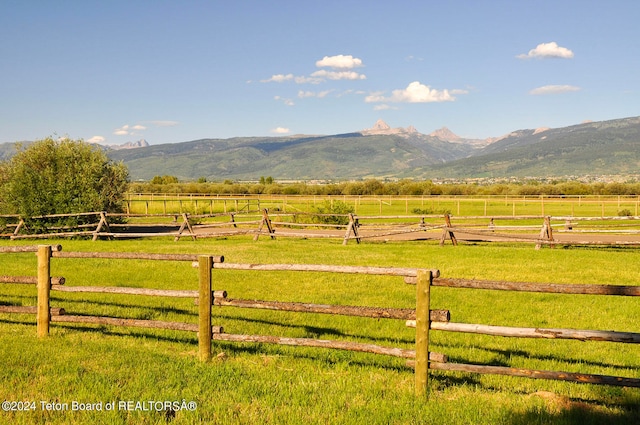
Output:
x,y
534,229
422,318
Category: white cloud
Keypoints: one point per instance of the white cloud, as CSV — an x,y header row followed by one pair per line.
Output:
x,y
308,80
339,62
97,139
303,94
280,130
415,92
375,97
286,101
278,78
419,93
547,50
554,89
341,69
129,130
338,75
459,91
383,107
281,78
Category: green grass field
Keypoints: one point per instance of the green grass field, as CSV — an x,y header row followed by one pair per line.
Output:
x,y
256,383
577,206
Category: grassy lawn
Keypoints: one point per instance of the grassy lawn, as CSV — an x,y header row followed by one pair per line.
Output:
x,y
256,383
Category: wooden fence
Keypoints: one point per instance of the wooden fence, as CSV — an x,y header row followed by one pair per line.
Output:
x,y
206,298
538,230
519,332
422,317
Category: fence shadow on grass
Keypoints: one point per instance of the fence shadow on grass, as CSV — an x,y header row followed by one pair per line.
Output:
x,y
449,380
163,309
525,354
576,413
18,322
314,331
180,337
24,298
328,355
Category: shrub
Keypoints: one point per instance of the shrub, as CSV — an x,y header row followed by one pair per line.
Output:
x,y
61,177
333,212
430,211
625,213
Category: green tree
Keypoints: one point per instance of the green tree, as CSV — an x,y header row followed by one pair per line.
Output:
x,y
166,179
60,177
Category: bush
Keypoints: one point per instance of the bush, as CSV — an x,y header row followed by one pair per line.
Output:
x,y
625,213
335,212
61,177
431,211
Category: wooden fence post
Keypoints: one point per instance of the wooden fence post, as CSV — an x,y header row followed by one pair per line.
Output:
x,y
185,225
547,221
103,223
20,225
546,233
205,264
265,221
44,287
422,331
352,228
448,230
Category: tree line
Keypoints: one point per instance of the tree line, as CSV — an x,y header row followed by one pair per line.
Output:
x,y
395,188
63,176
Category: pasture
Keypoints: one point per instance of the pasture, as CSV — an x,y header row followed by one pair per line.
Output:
x,y
259,383
488,205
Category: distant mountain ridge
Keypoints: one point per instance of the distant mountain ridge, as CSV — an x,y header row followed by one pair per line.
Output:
x,y
592,148
382,128
142,143
378,152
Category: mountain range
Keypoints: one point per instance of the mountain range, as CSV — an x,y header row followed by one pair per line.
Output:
x,y
591,148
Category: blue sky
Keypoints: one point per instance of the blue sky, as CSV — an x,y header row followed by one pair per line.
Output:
x,y
173,71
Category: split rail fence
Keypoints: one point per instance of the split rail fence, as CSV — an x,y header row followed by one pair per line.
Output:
x,y
538,230
422,317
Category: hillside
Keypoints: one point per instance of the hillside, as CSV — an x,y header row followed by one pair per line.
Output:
x,y
594,148
376,154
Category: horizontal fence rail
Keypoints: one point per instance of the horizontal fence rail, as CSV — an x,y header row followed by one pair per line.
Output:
x,y
541,230
546,333
206,298
422,318
555,288
388,271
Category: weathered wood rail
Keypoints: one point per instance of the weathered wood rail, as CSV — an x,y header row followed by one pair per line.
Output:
x,y
206,298
627,229
519,332
422,318
538,230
